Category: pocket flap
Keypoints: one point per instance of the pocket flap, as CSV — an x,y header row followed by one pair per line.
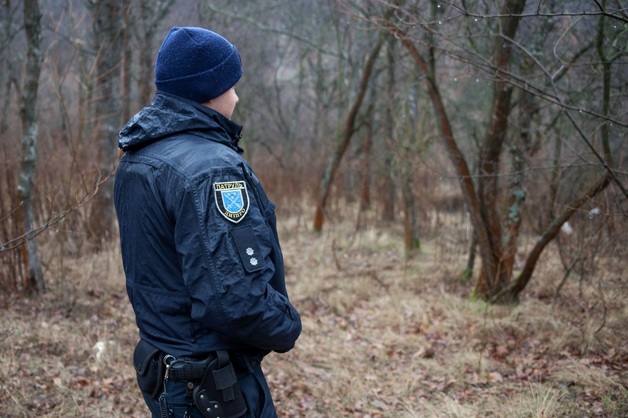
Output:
x,y
143,355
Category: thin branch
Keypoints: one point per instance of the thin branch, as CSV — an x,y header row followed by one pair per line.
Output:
x,y
613,14
255,22
566,276
54,218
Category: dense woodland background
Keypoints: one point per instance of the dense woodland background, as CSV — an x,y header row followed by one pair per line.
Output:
x,y
505,121
513,112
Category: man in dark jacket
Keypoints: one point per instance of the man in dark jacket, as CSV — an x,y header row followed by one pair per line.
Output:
x,y
203,265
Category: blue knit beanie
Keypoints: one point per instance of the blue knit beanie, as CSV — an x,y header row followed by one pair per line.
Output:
x,y
196,64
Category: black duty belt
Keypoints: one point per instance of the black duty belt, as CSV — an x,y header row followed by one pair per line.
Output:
x,y
186,368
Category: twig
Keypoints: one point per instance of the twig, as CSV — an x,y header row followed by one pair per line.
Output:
x,y
567,273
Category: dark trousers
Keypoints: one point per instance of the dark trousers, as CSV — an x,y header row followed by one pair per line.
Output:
x,y
254,390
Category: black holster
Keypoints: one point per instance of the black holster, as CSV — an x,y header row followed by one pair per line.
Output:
x,y
219,394
149,368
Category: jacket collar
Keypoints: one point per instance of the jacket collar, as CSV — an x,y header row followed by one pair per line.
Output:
x,y
169,115
231,128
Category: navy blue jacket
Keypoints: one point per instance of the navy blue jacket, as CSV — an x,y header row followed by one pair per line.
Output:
x,y
204,269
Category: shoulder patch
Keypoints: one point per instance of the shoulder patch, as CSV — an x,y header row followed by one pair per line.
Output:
x,y
232,199
248,248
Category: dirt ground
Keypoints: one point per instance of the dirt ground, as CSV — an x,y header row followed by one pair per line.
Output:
x,y
383,336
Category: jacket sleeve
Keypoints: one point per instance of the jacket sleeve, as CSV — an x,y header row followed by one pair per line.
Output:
x,y
227,251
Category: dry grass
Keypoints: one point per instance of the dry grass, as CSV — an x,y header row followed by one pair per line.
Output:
x,y
383,336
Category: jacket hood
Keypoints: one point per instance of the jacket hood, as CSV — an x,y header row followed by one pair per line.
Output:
x,y
169,115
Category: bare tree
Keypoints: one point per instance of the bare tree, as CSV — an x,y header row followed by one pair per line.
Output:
x,y
8,77
108,32
388,210
348,131
146,19
33,274
497,229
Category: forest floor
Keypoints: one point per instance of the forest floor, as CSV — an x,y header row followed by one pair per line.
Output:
x,y
383,336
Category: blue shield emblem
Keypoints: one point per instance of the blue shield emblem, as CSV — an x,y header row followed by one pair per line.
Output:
x,y
232,199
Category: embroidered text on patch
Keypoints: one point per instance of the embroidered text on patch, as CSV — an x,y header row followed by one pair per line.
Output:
x,y
232,199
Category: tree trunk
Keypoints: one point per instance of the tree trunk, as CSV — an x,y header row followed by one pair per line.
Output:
x,y
517,194
367,153
7,69
510,294
489,164
483,213
388,177
125,76
33,274
412,128
108,16
319,217
411,240
455,155
146,23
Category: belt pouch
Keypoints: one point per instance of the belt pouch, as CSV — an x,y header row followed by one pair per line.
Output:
x,y
219,395
149,368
